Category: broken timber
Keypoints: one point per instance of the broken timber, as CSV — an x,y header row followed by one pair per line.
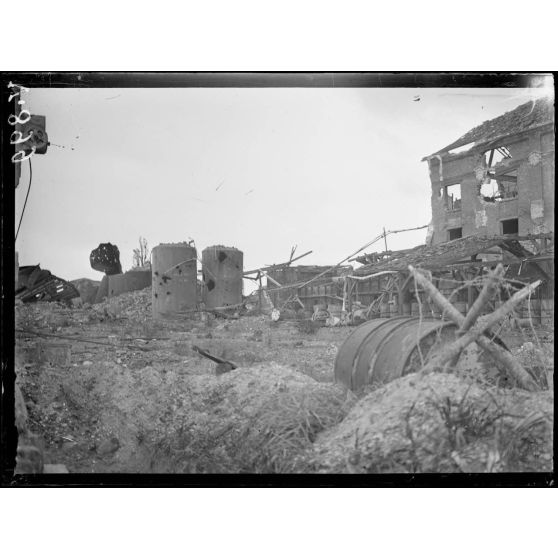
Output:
x,y
478,334
214,358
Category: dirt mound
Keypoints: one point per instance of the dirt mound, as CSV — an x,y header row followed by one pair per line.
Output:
x,y
255,420
440,423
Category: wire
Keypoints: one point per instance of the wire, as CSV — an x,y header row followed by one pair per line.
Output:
x,y
27,196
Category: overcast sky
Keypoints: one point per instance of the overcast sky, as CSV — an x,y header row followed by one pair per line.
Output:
x,y
258,169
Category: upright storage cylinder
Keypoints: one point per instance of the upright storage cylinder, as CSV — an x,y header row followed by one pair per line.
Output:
x,y
174,276
222,276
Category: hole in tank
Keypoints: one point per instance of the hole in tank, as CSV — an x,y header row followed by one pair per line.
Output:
x,y
210,285
222,257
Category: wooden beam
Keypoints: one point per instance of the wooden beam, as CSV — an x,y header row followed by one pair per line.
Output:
x,y
277,266
501,355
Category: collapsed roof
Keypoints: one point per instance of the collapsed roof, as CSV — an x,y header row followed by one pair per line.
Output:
x,y
445,254
532,114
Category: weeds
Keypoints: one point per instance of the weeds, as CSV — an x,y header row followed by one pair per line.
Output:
x,y
307,326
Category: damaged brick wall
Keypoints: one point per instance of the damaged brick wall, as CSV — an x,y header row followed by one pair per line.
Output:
x,y
523,181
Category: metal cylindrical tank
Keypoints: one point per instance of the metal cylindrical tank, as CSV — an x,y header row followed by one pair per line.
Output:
x,y
173,281
222,276
384,349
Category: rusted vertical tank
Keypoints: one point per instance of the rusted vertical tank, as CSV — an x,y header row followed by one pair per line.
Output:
x,y
222,276
174,277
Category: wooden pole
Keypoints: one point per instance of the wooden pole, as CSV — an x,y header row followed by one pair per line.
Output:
x,y
497,352
487,293
260,290
385,239
483,324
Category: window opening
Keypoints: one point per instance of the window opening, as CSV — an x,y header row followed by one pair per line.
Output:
x,y
510,226
453,196
455,233
500,187
495,156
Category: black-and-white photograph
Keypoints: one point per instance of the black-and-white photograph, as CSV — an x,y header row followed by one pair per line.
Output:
x,y
270,274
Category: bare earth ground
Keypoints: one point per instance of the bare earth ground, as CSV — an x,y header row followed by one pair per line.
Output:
x,y
144,401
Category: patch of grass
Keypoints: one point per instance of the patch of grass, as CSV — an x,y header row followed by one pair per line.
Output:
x,y
307,326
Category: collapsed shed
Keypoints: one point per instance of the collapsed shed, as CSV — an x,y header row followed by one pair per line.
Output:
x,y
384,284
291,287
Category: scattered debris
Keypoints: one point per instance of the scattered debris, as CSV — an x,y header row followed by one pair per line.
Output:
x,y
224,363
36,284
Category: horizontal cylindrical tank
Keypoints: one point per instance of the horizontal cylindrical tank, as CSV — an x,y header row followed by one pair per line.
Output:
x,y
222,269
174,278
384,349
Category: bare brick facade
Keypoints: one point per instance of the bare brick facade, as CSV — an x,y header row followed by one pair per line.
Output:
x,y
498,178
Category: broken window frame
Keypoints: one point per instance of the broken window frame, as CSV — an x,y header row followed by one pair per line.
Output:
x,y
451,203
506,187
501,152
504,176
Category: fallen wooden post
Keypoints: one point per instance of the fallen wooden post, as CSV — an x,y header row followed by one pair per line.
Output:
x,y
484,323
487,293
214,358
277,266
497,352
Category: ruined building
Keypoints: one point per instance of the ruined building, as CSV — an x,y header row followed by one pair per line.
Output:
x,y
492,201
498,178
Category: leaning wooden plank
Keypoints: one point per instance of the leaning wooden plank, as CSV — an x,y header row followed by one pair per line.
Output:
x,y
502,356
483,324
486,294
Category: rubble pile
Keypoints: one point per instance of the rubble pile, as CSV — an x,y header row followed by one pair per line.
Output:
x,y
159,420
121,392
440,423
134,305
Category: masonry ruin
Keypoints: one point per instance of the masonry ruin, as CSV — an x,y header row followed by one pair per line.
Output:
x,y
498,178
168,367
